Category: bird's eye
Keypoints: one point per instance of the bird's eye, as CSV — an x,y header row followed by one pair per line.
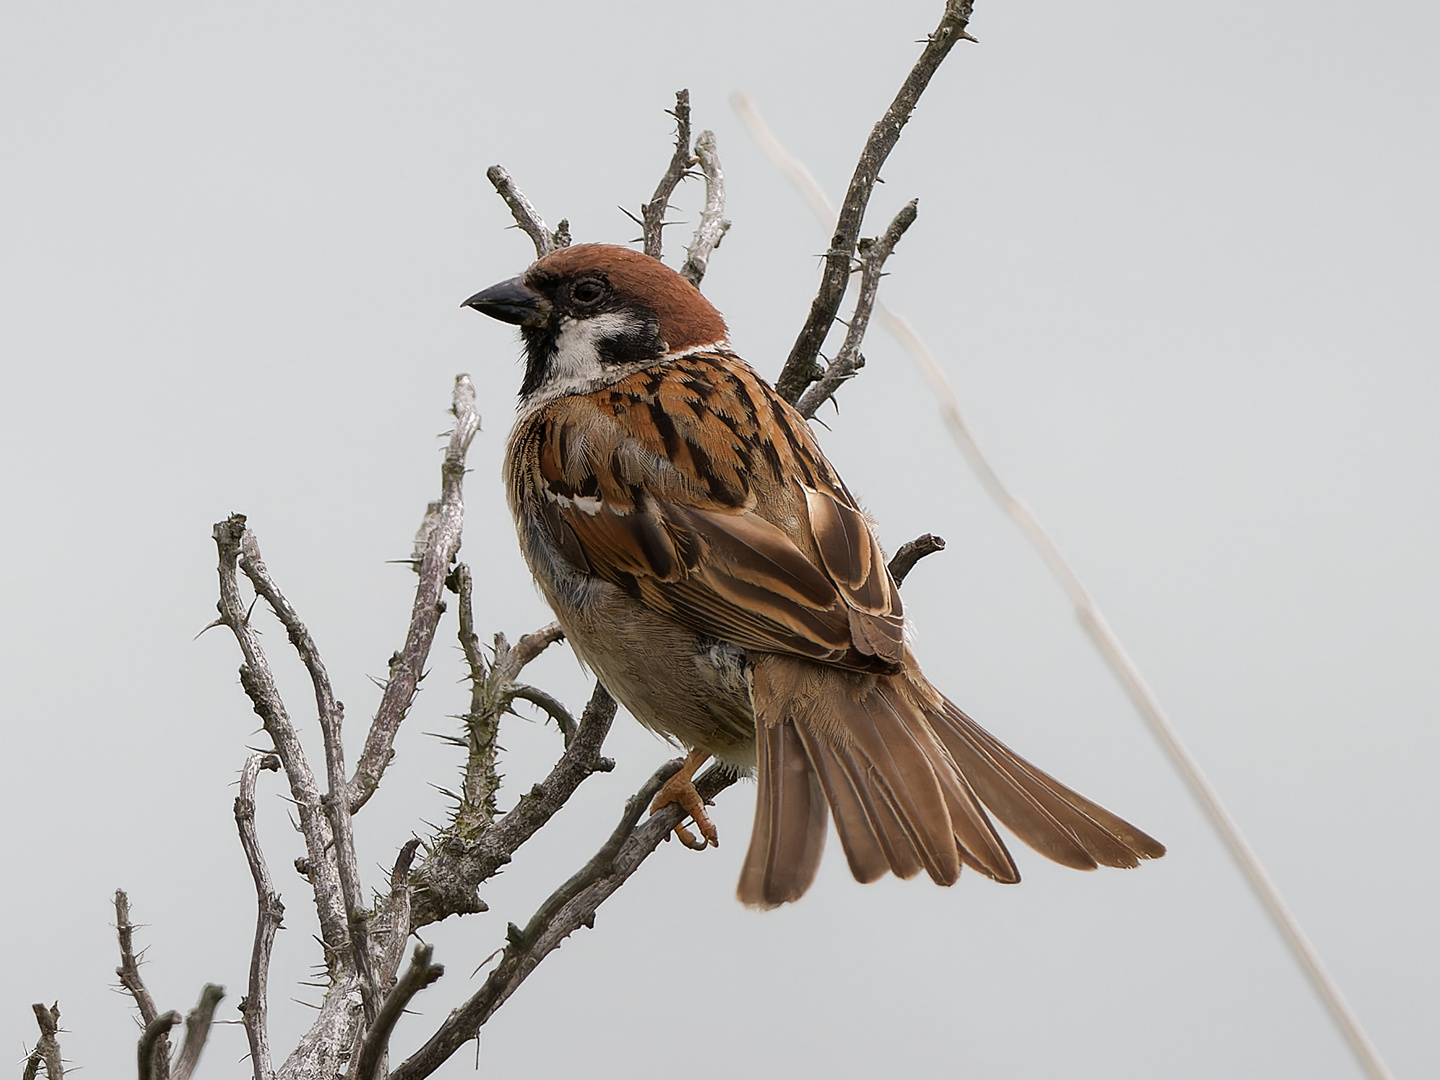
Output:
x,y
588,291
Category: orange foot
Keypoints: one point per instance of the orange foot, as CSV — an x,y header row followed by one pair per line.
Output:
x,y
680,789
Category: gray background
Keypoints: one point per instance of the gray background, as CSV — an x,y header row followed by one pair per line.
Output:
x,y
1180,263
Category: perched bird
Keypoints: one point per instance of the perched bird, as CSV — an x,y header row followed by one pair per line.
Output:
x,y
706,561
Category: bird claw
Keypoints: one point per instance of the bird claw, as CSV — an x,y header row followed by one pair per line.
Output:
x,y
680,791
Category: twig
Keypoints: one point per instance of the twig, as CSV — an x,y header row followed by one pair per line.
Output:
x,y
510,663
129,969
129,973
525,214
394,921
254,1010
848,360
259,686
408,665
420,974
713,226
653,225
551,705
911,552
152,1055
197,1029
451,875
331,714
47,1050
799,370
480,783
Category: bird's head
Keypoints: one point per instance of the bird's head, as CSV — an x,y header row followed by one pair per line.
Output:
x,y
593,313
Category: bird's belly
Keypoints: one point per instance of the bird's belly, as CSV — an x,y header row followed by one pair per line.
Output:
x,y
687,687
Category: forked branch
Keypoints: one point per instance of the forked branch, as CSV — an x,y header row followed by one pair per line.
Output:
x,y
849,360
800,368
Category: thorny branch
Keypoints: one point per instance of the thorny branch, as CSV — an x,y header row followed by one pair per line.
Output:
x,y
526,216
259,685
254,1010
407,666
848,360
47,1050
154,1048
800,368
331,714
129,969
653,212
567,909
420,974
129,974
713,225
448,881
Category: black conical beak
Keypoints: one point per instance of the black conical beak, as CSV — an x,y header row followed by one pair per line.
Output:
x,y
512,301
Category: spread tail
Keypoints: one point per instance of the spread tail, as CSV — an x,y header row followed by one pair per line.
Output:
x,y
905,773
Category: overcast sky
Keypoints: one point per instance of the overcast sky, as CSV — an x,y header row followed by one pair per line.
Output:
x,y
1180,264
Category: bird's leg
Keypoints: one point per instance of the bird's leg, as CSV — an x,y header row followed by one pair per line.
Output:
x,y
680,789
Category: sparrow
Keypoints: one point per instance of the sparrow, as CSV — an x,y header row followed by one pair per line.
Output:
x,y
711,568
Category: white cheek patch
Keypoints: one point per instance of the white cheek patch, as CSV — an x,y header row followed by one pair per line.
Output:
x,y
576,366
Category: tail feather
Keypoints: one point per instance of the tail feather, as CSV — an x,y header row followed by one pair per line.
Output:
x,y
901,774
905,773
869,842
1047,815
790,817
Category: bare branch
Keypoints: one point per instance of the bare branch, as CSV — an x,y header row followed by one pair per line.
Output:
x,y
849,360
197,1030
47,1050
254,1009
451,875
552,706
407,666
259,685
420,974
653,225
911,552
129,969
526,216
332,715
799,370
513,659
393,923
152,1056
713,226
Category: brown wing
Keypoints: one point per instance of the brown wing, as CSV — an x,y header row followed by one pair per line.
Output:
x,y
679,484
